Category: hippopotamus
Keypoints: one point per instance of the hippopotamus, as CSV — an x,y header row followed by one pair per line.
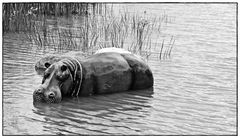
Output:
x,y
102,73
46,61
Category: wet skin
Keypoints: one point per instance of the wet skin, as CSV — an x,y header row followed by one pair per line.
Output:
x,y
56,83
100,73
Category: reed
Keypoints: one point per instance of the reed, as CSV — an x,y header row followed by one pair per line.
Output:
x,y
165,51
169,53
160,56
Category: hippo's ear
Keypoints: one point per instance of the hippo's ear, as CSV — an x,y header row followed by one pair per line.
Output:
x,y
63,68
47,64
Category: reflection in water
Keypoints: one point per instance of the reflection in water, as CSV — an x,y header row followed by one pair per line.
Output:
x,y
105,111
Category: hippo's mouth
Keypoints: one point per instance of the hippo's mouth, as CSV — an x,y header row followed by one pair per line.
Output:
x,y
42,99
38,98
40,95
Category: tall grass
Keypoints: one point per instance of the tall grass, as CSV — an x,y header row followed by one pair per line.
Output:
x,y
100,28
17,17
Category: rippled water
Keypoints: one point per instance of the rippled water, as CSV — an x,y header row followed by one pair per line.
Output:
x,y
194,91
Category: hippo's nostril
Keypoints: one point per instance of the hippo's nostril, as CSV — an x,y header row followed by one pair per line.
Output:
x,y
38,91
51,95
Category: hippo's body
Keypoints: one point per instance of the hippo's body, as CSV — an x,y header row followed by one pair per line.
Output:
x,y
100,73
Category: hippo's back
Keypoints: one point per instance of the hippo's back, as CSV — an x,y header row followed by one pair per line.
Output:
x,y
111,72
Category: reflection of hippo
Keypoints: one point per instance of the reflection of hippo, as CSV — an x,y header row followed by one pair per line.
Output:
x,y
106,72
44,62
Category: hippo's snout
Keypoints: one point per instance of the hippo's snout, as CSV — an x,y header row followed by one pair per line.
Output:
x,y
38,95
43,96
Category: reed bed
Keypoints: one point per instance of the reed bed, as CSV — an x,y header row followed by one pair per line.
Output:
x,y
17,16
98,28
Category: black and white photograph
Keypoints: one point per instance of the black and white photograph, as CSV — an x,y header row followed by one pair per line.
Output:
x,y
87,68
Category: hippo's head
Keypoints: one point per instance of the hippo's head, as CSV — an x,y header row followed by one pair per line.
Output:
x,y
45,62
58,81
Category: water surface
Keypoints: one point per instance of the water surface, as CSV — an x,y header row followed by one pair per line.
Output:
x,y
194,91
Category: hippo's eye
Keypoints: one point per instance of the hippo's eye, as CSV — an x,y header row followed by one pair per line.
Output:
x,y
47,64
63,68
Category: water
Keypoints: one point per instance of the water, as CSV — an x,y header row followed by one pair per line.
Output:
x,y
194,91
